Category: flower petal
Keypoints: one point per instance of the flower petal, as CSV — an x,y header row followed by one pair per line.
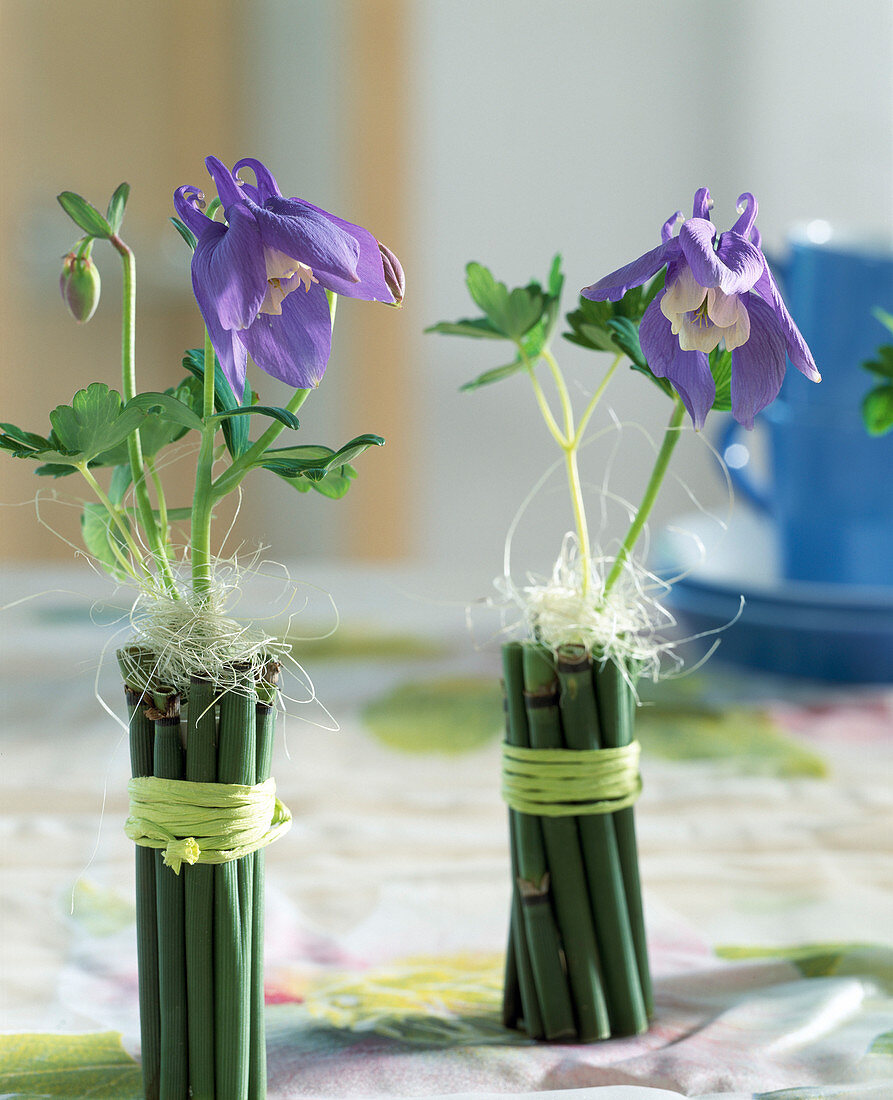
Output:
x,y
722,309
683,292
743,262
294,345
372,285
797,349
757,365
230,352
697,332
688,371
612,287
266,188
186,202
310,236
748,207
696,239
228,187
702,204
228,272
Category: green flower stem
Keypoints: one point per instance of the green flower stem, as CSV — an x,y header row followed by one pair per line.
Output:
x,y
134,447
163,525
551,422
117,519
671,438
563,395
232,477
203,499
596,397
576,492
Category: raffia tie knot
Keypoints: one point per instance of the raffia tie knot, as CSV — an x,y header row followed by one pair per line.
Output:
x,y
204,822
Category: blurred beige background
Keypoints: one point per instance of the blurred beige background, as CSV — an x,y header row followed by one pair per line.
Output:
x,y
496,130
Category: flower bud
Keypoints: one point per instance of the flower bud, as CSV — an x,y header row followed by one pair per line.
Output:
x,y
393,273
79,283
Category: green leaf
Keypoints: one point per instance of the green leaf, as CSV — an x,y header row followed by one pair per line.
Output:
x,y
334,484
476,326
877,409
185,232
626,337
282,415
235,432
98,532
885,318
721,369
883,364
37,1064
514,312
494,375
314,460
120,483
169,408
85,215
20,442
94,422
115,213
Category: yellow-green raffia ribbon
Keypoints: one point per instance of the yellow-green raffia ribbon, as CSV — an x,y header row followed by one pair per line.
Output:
x,y
570,782
204,822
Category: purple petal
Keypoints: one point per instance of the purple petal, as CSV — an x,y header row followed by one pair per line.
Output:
x,y
267,187
612,287
230,351
186,202
310,236
745,223
687,371
669,226
228,272
696,239
798,352
227,185
702,205
293,346
757,365
372,285
743,261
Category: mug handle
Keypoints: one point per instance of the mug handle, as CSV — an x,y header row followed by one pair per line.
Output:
x,y
759,495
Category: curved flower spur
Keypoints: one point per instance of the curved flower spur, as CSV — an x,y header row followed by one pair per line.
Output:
x,y
261,280
717,289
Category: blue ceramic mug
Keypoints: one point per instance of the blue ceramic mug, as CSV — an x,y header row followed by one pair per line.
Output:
x,y
830,484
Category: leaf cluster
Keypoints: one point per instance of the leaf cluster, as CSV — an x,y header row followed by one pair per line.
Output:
x,y
877,405
87,217
525,316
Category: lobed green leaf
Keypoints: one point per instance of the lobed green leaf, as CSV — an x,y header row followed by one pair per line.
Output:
x,y
882,366
94,422
235,432
282,415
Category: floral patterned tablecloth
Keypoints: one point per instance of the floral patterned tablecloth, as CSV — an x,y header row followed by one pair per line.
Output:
x,y
766,845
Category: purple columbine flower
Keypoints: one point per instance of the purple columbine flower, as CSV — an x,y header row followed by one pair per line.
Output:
x,y
260,279
716,289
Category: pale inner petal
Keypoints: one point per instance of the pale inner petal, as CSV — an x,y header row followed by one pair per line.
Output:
x,y
698,333
737,333
683,295
284,274
722,308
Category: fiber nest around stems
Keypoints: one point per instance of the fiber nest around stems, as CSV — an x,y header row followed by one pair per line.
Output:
x,y
624,625
194,636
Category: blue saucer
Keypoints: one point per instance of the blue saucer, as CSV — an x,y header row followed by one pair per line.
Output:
x,y
839,633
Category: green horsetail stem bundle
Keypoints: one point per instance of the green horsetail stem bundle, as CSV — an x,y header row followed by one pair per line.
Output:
x,y
201,767
200,925
142,749
234,902
571,856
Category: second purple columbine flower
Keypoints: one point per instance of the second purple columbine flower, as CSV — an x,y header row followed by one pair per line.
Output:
x,y
717,289
260,279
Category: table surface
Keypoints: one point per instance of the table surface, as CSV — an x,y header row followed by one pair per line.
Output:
x,y
764,830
